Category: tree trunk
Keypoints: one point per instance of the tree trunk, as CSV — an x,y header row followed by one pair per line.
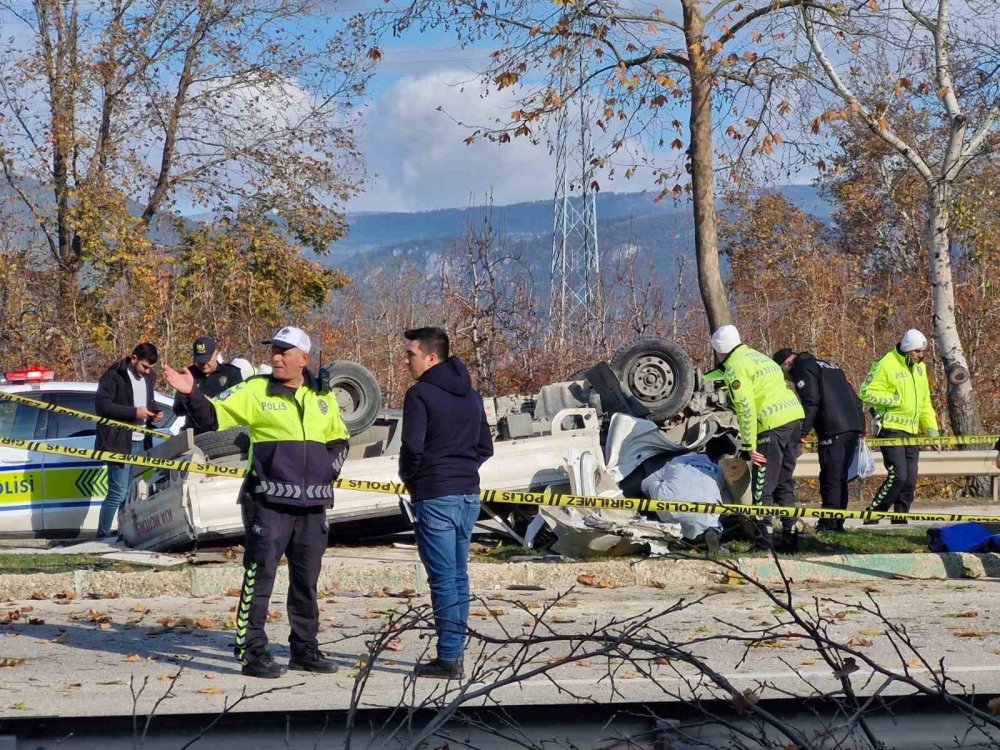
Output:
x,y
963,406
706,241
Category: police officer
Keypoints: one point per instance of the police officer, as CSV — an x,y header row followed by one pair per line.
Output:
x,y
833,408
770,421
898,392
210,375
298,446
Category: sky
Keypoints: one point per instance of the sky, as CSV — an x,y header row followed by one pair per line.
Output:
x,y
416,116
423,102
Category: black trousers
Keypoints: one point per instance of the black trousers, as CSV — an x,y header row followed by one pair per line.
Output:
x,y
772,482
273,530
835,456
901,465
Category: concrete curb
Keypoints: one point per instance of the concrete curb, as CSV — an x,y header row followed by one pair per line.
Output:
x,y
367,577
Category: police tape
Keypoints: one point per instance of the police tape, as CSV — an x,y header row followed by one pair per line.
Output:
x,y
122,458
512,497
916,440
927,441
46,406
933,442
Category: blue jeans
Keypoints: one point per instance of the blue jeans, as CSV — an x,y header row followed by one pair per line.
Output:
x,y
443,528
119,476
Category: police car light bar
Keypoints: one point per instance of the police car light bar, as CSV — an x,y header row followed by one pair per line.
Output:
x,y
32,375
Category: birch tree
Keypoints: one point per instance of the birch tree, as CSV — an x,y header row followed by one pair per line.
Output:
x,y
880,61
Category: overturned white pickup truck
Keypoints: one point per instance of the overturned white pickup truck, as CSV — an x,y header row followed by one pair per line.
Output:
x,y
649,402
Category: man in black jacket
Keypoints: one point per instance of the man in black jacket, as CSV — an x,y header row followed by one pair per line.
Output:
x,y
445,440
210,375
124,393
834,410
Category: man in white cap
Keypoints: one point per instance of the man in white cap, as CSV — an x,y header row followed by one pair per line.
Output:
x,y
770,420
298,444
898,392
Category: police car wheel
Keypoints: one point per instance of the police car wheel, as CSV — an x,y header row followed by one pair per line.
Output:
x,y
658,372
234,442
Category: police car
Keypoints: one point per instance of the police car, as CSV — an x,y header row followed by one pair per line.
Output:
x,y
46,495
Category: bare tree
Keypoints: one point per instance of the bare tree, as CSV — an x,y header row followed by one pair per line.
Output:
x,y
115,112
492,289
641,67
874,62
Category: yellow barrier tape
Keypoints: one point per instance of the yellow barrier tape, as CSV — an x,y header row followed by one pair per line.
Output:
x,y
516,497
916,440
934,442
924,440
122,458
46,406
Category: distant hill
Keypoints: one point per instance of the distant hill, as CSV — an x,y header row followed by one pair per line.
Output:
x,y
628,222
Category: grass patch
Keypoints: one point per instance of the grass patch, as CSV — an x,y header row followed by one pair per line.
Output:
x,y
52,563
851,542
854,541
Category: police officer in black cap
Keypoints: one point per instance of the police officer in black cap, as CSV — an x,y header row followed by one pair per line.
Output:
x,y
210,375
834,410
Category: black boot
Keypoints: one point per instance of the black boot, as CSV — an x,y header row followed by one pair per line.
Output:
x,y
262,664
441,670
789,542
311,659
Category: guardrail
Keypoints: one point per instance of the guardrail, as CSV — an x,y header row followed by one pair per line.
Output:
x,y
932,464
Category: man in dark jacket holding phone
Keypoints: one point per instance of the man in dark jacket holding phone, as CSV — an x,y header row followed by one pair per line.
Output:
x,y
445,440
834,410
125,394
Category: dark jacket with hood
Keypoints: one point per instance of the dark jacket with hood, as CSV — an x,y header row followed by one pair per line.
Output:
x,y
831,404
445,434
114,400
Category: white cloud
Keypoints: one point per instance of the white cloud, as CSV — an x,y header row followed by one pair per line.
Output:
x,y
417,158
413,142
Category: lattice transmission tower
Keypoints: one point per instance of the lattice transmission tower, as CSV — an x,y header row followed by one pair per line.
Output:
x,y
576,288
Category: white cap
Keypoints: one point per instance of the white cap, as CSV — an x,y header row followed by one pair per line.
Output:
x,y
725,339
912,340
290,337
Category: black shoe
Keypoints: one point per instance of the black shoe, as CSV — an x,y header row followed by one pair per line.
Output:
x,y
788,543
871,522
899,522
311,660
262,665
440,670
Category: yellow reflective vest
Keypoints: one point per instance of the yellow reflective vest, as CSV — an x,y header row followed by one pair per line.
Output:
x,y
298,440
761,398
900,394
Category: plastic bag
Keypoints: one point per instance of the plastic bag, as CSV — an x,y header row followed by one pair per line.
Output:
x,y
863,464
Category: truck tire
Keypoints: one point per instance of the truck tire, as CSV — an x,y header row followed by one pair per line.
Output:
x,y
658,372
233,442
358,394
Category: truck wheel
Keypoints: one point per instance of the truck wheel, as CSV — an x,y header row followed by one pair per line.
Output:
x,y
233,442
658,372
357,392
